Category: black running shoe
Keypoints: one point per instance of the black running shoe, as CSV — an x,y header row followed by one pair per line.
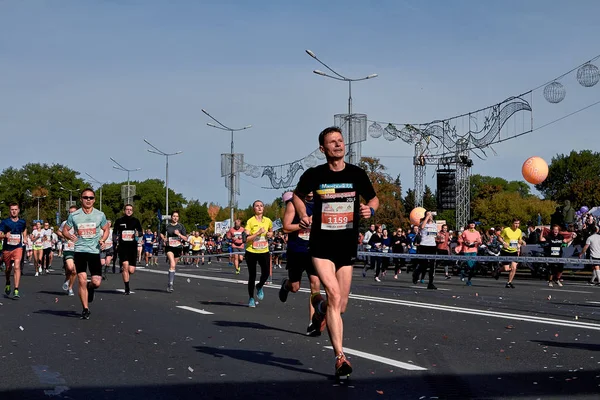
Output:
x,y
85,314
431,286
127,292
510,285
283,292
90,293
312,330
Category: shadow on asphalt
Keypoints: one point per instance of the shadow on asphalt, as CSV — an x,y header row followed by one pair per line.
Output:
x,y
253,325
258,357
151,290
569,345
399,385
223,303
59,313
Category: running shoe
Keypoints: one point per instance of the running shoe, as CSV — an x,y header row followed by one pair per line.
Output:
x,y
85,314
422,280
342,366
37,273
509,285
312,330
40,269
237,271
559,283
364,272
377,279
283,292
550,284
127,292
318,318
16,294
7,290
251,303
469,283
91,291
448,277
260,294
71,292
395,276
65,285
431,286
231,264
170,289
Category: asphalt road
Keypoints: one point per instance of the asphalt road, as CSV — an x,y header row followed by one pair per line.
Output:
x,y
202,341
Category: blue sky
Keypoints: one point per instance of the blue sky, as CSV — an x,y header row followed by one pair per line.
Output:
x,y
82,81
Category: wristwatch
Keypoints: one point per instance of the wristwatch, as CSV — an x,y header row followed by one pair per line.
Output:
x,y
372,211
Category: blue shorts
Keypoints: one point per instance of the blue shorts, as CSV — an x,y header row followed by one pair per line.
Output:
x,y
148,249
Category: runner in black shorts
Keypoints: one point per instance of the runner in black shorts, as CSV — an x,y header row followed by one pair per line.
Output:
x,y
298,257
128,229
91,231
337,188
175,235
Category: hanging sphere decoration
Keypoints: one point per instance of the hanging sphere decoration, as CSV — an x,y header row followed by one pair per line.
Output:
x,y
375,130
390,132
255,172
588,75
554,92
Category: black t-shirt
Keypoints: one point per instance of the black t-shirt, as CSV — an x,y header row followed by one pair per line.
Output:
x,y
554,247
125,229
336,208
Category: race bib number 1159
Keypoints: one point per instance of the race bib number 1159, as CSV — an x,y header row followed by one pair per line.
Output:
x,y
336,216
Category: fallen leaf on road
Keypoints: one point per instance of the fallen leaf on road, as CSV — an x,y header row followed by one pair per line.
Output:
x,y
510,327
379,391
190,369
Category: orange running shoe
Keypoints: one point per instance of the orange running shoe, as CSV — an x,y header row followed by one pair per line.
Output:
x,y
342,366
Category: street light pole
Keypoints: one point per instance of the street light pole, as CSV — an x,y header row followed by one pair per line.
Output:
x,y
38,205
232,174
122,168
351,146
102,185
166,155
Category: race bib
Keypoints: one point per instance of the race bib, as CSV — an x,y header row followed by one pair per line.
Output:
x,y
148,240
432,231
337,216
13,239
174,242
87,230
127,236
69,246
304,234
260,243
514,244
555,251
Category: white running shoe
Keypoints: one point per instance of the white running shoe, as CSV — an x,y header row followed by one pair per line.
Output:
x,y
39,270
71,292
65,286
559,283
550,284
37,273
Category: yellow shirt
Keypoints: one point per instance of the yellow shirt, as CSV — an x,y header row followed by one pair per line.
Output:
x,y
196,243
260,244
512,239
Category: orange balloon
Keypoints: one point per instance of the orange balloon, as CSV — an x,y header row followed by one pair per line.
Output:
x,y
535,170
416,215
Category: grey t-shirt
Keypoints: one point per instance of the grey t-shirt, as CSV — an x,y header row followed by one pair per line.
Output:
x,y
172,239
594,243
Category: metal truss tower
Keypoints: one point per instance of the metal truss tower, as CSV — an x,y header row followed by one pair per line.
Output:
x,y
420,166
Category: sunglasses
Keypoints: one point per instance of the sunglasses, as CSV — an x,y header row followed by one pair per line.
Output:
x,y
88,197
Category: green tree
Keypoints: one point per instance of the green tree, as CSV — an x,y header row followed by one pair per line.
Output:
x,y
485,186
196,214
389,191
429,199
501,208
574,177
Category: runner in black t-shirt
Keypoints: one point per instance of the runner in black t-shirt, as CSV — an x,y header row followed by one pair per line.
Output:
x,y
128,229
337,189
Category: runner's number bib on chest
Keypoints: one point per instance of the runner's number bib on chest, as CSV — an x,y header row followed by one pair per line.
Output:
x,y
555,251
87,230
337,216
174,242
127,236
13,239
260,243
304,234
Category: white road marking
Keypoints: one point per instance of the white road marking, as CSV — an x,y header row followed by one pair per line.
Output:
x,y
557,290
593,302
123,291
196,310
430,306
383,360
